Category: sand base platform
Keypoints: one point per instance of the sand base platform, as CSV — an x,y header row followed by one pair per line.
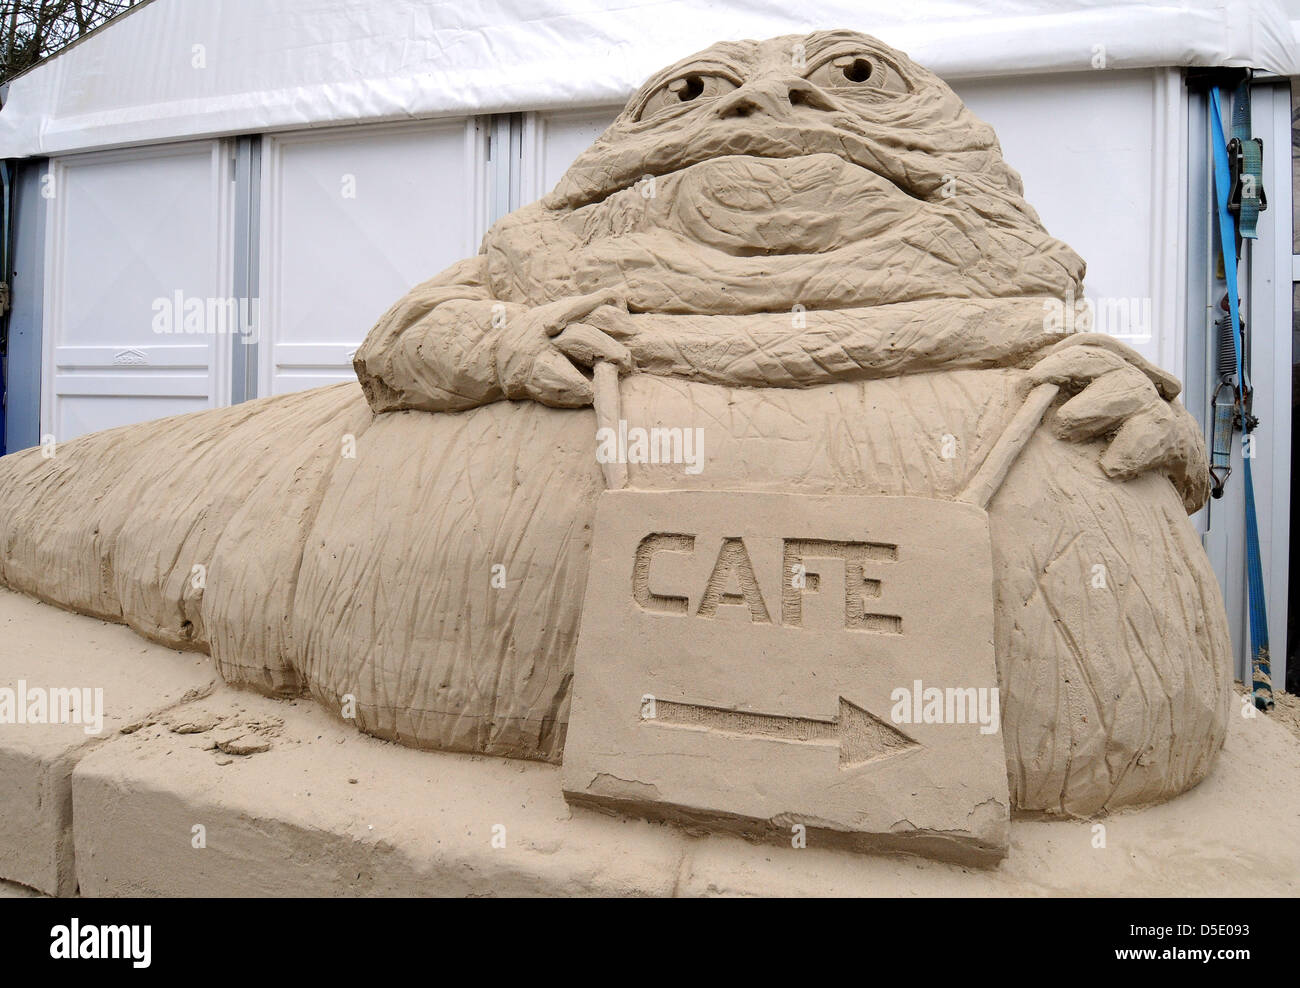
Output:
x,y
196,789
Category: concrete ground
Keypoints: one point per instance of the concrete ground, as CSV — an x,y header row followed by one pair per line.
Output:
x,y
197,789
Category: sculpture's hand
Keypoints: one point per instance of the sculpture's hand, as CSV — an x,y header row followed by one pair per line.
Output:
x,y
541,353
1120,394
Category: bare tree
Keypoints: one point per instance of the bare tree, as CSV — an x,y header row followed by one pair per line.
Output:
x,y
31,30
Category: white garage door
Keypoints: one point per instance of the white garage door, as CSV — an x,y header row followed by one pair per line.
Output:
x,y
352,218
137,282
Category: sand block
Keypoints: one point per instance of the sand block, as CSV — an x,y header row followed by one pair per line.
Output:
x,y
44,650
290,820
325,811
766,662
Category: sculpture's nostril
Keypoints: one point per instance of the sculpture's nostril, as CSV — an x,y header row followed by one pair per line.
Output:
x,y
741,107
773,100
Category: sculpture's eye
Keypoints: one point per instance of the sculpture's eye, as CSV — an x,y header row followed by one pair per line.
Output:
x,y
857,71
690,87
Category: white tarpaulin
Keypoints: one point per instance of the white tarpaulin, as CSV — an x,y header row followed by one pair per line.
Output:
x,y
183,68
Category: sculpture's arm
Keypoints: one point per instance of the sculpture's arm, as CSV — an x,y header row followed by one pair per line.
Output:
x,y
1114,393
448,345
807,348
432,349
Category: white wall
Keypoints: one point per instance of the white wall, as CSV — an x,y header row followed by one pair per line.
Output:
x,y
553,139
127,231
353,218
178,69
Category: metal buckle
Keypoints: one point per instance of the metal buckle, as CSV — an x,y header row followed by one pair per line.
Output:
x,y
1236,165
1221,458
1237,169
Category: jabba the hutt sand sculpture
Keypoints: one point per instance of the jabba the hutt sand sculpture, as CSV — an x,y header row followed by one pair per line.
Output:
x,y
809,248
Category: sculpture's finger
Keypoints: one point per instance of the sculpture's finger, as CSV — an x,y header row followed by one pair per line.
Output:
x,y
1168,385
1073,368
1145,442
556,315
613,321
584,344
1193,477
1105,404
556,382
1166,438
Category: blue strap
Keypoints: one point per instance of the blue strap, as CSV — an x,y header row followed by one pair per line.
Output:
x,y
1261,681
1251,174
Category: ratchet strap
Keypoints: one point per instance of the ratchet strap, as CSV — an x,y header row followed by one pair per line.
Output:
x,y
1224,175
1246,161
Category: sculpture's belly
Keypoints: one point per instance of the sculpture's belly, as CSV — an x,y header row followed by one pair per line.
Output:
x,y
1113,694
396,603
920,435
437,577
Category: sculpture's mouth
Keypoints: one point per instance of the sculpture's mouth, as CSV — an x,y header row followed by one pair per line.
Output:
x,y
772,158
754,205
606,170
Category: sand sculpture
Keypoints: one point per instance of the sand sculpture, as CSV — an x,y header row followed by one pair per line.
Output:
x,y
808,249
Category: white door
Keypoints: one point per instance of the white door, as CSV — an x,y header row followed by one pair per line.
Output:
x,y
353,218
553,139
137,282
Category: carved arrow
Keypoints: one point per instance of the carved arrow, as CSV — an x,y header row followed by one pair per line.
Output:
x,y
860,736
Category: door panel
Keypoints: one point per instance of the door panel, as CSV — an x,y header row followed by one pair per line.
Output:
x,y
352,219
137,278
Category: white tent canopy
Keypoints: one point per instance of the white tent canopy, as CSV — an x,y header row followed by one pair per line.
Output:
x,y
175,69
